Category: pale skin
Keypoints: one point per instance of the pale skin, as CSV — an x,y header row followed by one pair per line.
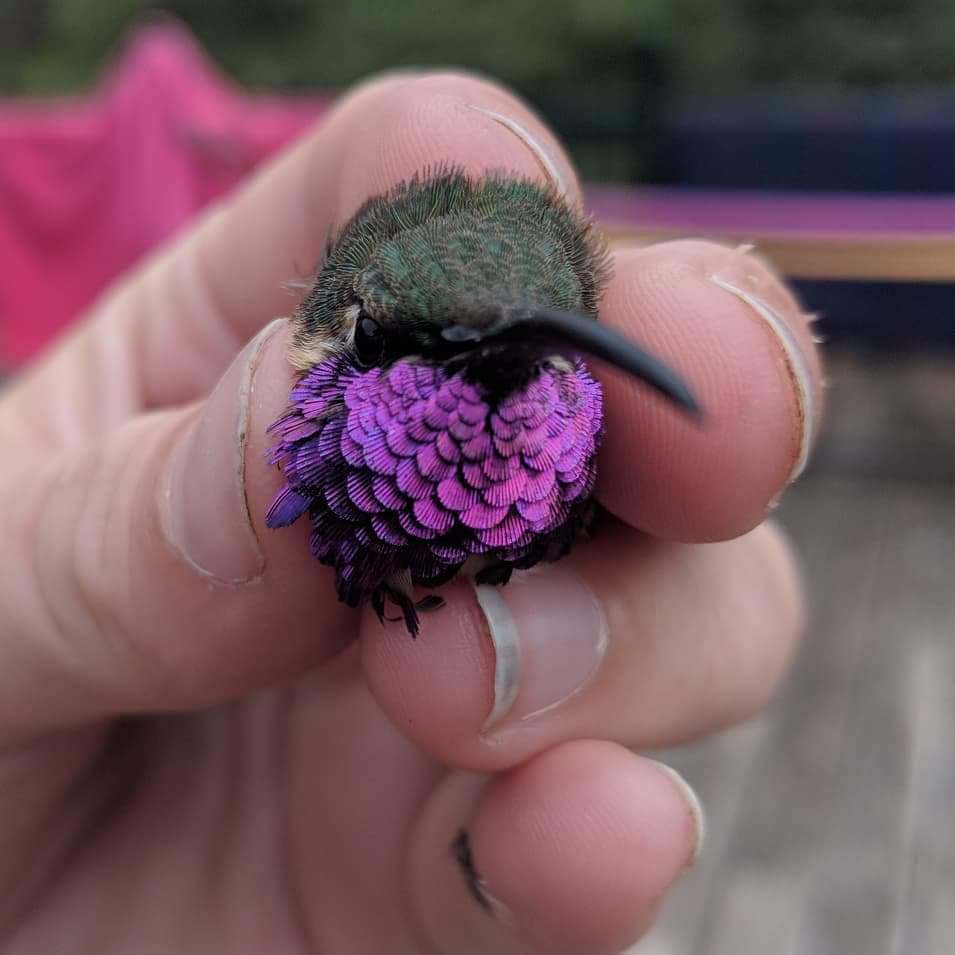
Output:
x,y
294,774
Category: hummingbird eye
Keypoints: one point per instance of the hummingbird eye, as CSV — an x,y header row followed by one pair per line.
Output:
x,y
369,341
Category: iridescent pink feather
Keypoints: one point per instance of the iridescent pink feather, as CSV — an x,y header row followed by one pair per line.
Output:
x,y
410,468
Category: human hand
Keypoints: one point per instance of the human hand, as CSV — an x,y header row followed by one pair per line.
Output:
x,y
204,752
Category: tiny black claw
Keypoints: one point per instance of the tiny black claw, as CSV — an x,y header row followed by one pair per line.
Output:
x,y
496,575
407,607
461,849
377,601
429,603
404,604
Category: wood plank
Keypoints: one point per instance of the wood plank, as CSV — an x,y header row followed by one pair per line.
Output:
x,y
889,416
718,769
859,877
833,834
927,921
758,905
849,258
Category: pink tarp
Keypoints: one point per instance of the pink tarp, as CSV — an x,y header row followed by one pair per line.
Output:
x,y
88,185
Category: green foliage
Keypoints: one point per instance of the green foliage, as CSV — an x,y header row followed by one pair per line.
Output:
x,y
709,45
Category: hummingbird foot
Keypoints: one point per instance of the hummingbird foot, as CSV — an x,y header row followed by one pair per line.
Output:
x,y
405,604
427,604
494,575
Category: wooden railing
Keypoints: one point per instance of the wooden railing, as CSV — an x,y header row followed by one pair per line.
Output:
x,y
883,258
885,238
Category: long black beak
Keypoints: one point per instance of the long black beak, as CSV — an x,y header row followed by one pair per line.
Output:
x,y
586,335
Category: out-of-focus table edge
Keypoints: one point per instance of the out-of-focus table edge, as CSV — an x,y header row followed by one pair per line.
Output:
x,y
809,255
838,236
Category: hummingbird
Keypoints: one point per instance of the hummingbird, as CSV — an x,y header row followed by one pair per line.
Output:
x,y
443,419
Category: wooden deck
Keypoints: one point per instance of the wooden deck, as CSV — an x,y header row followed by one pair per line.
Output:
x,y
832,817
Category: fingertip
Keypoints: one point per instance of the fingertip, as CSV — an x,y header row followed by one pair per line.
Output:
x,y
485,682
580,845
203,496
447,119
248,605
437,689
746,353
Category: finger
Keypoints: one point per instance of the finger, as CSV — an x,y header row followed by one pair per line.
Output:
x,y
629,639
168,331
137,575
573,852
723,319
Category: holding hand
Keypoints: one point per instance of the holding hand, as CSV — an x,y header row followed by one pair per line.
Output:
x,y
203,751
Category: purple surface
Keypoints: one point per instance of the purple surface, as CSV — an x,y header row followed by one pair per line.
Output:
x,y
412,469
744,211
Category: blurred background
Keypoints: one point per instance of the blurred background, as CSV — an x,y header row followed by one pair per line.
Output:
x,y
822,132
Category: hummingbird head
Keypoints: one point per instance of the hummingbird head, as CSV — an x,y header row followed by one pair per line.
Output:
x,y
496,278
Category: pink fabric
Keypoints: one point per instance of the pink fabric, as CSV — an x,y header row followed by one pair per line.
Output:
x,y
88,185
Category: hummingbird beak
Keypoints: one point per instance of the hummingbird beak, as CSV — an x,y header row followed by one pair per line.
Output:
x,y
583,334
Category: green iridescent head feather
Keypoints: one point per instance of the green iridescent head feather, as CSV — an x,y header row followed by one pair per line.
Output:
x,y
446,248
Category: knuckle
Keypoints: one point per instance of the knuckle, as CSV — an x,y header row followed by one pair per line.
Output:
x,y
83,545
67,610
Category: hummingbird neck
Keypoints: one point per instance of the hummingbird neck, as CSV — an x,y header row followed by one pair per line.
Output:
x,y
500,373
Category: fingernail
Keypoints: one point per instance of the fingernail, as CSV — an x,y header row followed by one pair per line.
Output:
x,y
476,886
549,635
205,513
540,153
745,288
694,808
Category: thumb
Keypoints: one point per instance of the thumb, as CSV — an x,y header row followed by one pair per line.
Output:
x,y
151,583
